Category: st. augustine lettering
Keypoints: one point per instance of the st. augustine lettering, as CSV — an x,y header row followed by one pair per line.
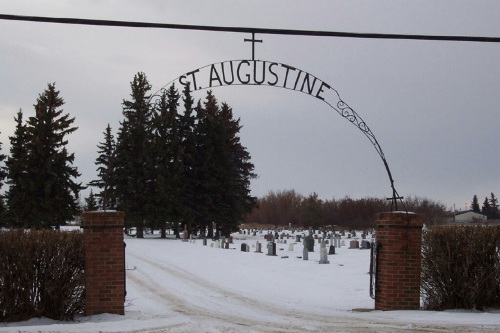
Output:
x,y
255,72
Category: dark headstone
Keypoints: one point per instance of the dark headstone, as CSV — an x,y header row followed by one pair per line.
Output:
x,y
271,249
332,250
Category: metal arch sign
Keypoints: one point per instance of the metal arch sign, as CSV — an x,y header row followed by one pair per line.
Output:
x,y
279,75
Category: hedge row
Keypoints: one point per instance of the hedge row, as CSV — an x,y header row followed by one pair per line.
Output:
x,y
461,267
41,274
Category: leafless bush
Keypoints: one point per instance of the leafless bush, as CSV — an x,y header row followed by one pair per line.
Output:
x,y
461,267
41,274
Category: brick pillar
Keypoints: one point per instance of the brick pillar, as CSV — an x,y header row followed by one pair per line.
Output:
x,y
399,238
104,262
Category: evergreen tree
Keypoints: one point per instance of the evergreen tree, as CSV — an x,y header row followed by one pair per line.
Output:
x,y
494,214
486,209
187,135
2,177
223,169
91,203
475,204
17,174
106,181
167,159
51,190
134,160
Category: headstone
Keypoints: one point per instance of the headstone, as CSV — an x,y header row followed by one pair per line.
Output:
x,y
354,244
230,239
305,253
244,247
297,238
271,249
226,245
217,244
309,241
290,246
204,242
323,255
258,247
185,234
332,250
365,245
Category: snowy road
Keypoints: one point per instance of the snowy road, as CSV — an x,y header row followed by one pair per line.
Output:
x,y
176,286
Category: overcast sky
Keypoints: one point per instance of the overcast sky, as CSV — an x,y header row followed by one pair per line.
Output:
x,y
434,107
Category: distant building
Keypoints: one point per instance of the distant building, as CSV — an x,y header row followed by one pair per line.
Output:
x,y
469,216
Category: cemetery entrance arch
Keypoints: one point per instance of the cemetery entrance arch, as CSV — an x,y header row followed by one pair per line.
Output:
x,y
279,75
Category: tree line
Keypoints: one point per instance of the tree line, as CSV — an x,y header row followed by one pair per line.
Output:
x,y
282,208
489,207
167,167
173,168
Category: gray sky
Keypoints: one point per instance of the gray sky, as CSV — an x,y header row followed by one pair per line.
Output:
x,y
433,106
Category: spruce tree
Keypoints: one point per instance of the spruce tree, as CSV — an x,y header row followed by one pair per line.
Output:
x,y
134,160
52,192
187,135
236,174
486,209
167,159
494,214
224,169
475,204
17,174
91,203
106,181
2,177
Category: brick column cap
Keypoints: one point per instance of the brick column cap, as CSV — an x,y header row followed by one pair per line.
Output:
x,y
399,218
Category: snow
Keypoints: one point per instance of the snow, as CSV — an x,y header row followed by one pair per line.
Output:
x,y
176,286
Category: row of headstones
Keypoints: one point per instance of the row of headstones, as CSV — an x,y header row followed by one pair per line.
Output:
x,y
308,244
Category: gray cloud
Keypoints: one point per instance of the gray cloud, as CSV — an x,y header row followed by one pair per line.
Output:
x,y
433,106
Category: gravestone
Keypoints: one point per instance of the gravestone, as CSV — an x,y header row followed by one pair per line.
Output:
x,y
230,239
297,238
204,242
226,245
271,249
309,241
244,247
290,246
323,255
332,250
305,253
354,244
258,247
217,244
365,244
185,235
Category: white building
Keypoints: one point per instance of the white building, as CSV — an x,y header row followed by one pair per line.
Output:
x,y
469,216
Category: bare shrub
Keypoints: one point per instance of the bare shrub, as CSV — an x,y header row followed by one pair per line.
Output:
x,y
41,274
461,267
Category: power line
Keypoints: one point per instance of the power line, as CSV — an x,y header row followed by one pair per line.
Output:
x,y
129,24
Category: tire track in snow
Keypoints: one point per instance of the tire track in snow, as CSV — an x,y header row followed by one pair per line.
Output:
x,y
270,318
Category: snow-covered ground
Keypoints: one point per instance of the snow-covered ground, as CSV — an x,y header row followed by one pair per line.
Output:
x,y
176,286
